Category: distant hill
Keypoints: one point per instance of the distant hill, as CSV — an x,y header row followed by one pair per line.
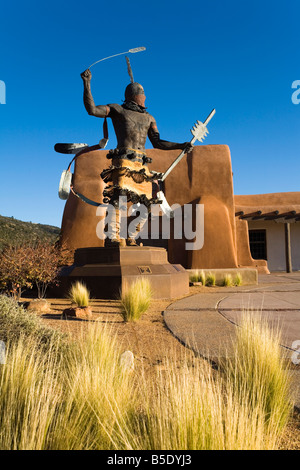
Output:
x,y
14,231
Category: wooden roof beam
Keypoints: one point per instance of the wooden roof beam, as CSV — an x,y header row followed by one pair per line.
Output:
x,y
297,215
281,216
250,215
266,214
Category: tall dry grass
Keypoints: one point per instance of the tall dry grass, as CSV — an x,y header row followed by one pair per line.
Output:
x,y
198,276
227,280
136,299
238,279
211,279
194,409
257,370
100,395
29,395
79,294
84,399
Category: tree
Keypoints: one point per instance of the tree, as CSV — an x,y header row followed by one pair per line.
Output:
x,y
24,265
45,258
15,269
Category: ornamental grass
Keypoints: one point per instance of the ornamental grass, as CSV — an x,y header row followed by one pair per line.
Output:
x,y
79,294
136,299
85,400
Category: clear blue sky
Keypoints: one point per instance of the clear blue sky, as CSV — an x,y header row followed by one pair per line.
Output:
x,y
239,57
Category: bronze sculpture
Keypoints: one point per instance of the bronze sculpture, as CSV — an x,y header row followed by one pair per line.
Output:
x,y
128,173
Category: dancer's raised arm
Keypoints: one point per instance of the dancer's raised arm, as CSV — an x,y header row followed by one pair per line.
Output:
x,y
98,111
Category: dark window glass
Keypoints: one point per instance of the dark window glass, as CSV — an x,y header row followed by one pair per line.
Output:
x,y
258,244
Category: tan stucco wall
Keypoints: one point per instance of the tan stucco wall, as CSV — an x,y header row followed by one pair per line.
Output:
x,y
204,176
243,249
268,202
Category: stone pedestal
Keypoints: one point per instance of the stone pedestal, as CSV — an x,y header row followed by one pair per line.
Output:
x,y
109,271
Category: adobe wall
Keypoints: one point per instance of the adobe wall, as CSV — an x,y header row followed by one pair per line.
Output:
x,y
268,202
243,249
204,176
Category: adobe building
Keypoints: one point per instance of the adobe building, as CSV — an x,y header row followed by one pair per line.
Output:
x,y
271,223
258,233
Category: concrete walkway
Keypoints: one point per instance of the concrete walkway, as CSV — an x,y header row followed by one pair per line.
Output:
x,y
207,322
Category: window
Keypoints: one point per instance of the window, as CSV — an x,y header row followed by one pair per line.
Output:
x,y
258,244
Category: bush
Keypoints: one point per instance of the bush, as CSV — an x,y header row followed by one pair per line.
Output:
x,y
79,294
27,264
15,269
237,281
227,281
15,322
194,277
136,299
211,279
197,276
45,259
202,277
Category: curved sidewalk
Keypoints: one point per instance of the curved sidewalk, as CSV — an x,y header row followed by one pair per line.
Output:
x,y
207,321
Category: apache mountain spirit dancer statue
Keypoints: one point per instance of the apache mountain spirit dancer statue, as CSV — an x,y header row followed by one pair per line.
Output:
x,y
128,175
128,172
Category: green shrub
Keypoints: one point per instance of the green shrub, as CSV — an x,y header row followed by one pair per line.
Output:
x,y
16,322
79,294
136,299
194,276
238,280
211,279
202,277
227,280
198,276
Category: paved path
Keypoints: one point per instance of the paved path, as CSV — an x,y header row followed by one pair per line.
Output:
x,y
207,322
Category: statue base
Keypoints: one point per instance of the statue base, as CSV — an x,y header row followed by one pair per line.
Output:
x,y
109,271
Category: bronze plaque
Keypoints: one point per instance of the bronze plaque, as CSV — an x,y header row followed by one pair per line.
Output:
x,y
144,269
